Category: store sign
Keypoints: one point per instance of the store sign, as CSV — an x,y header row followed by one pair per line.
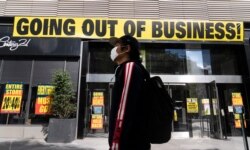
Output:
x,y
12,98
237,99
96,122
175,116
237,122
13,45
238,109
206,106
29,46
98,98
99,28
43,100
97,110
192,105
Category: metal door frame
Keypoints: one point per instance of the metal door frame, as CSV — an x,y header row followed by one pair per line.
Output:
x,y
215,135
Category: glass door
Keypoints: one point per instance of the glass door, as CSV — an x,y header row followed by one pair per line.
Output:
x,y
97,109
178,94
215,115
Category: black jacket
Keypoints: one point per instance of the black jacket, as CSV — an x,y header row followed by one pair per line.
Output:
x,y
128,114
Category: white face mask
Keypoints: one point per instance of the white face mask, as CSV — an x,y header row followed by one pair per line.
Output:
x,y
114,53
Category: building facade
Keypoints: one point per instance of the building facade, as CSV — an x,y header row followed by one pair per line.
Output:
x,y
204,65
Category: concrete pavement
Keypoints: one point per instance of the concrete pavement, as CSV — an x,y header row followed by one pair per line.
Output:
x,y
91,143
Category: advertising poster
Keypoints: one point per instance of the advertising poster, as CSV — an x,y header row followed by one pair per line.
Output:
x,y
192,105
215,106
237,123
43,100
206,107
96,122
97,110
237,99
12,98
175,116
98,98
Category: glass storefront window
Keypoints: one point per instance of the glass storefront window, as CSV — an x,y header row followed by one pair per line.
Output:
x,y
170,57
100,61
15,71
97,107
193,59
178,94
14,118
194,62
225,59
21,74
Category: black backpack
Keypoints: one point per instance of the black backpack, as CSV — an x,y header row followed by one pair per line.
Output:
x,y
161,110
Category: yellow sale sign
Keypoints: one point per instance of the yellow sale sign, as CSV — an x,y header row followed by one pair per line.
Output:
x,y
237,99
45,89
96,122
12,98
192,105
43,105
43,100
98,98
11,103
237,123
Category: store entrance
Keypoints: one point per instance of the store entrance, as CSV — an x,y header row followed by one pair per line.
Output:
x,y
197,111
178,94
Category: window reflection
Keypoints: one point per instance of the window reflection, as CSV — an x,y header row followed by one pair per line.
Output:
x,y
100,61
166,59
194,62
193,59
175,58
198,61
225,59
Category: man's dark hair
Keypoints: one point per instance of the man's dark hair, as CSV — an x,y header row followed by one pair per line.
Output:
x,y
125,40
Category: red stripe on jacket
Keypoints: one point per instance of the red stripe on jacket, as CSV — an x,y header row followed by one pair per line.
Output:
x,y
122,107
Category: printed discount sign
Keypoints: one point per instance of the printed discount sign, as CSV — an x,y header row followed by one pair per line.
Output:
x,y
98,98
97,110
43,100
12,98
192,105
96,122
237,99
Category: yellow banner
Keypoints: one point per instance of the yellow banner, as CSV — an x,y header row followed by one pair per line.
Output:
x,y
192,105
11,103
144,29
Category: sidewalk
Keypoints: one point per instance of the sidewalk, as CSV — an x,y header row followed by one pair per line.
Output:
x,y
235,143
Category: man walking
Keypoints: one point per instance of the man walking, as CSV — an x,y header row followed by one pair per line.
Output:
x,y
128,119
